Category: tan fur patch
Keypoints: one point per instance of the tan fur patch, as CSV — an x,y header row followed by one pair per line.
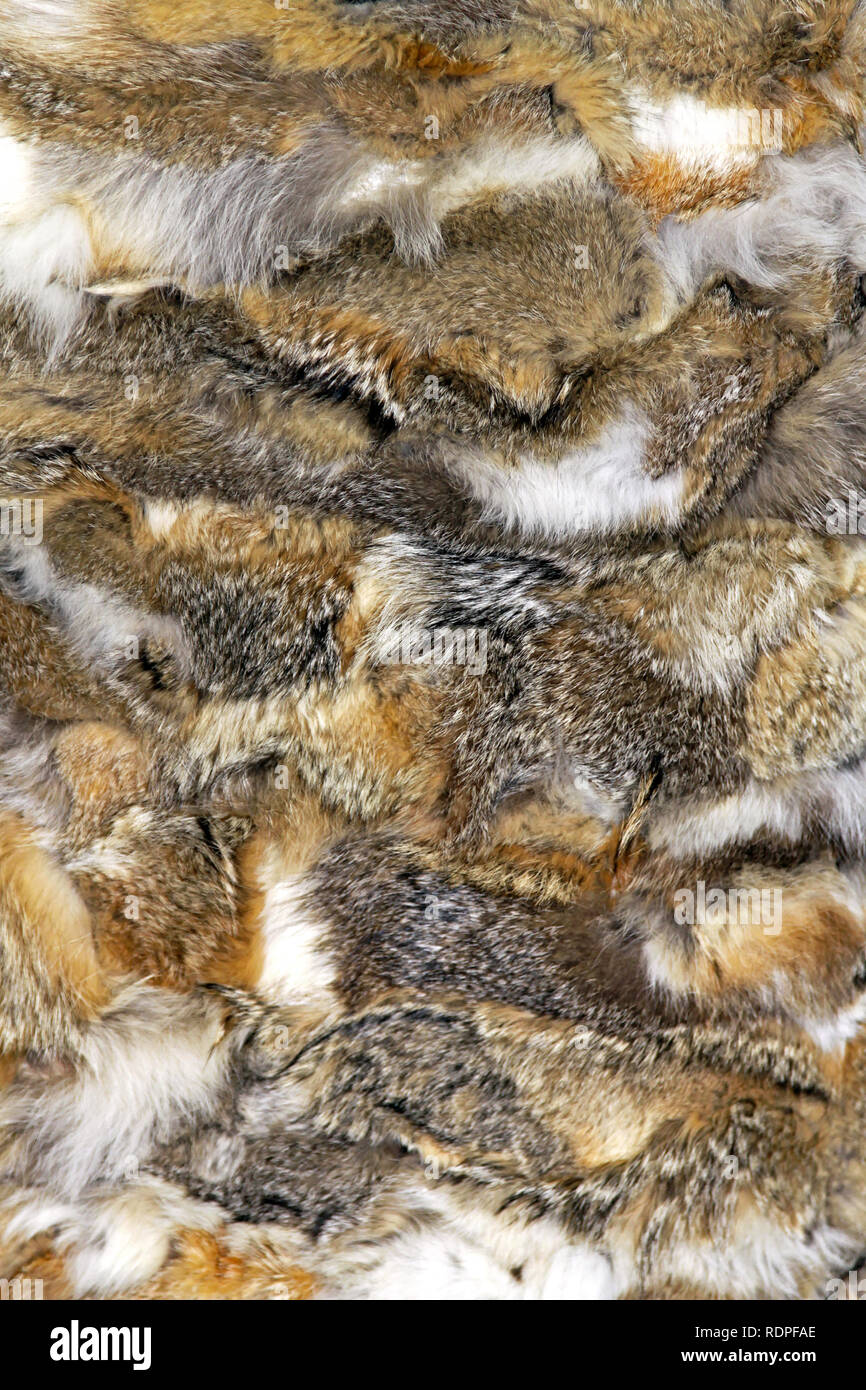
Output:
x,y
47,917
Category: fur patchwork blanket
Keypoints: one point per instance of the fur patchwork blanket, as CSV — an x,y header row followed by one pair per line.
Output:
x,y
432,648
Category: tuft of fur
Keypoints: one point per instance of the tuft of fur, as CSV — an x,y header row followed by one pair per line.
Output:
x,y
432,648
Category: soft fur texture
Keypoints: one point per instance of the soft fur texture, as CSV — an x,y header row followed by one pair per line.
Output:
x,y
432,648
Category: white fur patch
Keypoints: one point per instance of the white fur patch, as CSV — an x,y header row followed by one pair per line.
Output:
x,y
454,1252
112,1240
42,20
296,969
761,1259
161,517
100,627
155,1059
834,1031
45,248
813,209
697,134
837,801
600,487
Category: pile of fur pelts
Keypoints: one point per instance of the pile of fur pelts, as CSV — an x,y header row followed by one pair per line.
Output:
x,y
432,648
